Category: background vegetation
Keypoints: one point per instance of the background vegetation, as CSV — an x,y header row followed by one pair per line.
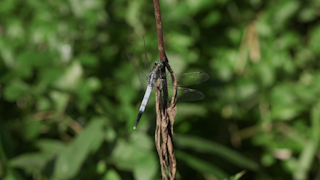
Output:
x,y
69,96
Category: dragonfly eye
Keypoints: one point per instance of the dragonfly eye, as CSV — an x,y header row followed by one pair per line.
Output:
x,y
159,62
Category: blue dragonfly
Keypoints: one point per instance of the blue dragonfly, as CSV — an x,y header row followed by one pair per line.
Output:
x,y
185,79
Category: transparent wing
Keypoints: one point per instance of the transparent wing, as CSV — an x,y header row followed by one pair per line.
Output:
x,y
187,79
186,94
142,76
147,62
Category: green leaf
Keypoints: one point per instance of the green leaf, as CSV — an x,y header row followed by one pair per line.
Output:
x,y
136,155
147,168
88,60
31,162
315,123
31,129
189,109
50,146
71,77
308,14
211,19
314,39
204,146
285,10
198,5
286,112
200,165
15,89
237,176
71,159
12,175
111,174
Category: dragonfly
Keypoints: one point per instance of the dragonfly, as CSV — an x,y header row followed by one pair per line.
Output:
x,y
152,79
186,79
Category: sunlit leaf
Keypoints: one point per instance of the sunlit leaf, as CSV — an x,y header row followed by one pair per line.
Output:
x,y
112,174
70,160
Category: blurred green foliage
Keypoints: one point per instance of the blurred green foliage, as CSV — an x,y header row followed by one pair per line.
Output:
x,y
69,96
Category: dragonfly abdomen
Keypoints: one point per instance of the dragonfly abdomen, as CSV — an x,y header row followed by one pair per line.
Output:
x,y
143,104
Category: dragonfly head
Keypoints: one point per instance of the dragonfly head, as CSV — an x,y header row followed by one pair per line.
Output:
x,y
158,63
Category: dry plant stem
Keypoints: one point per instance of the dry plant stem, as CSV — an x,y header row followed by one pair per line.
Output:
x,y
165,113
162,54
157,14
158,130
164,131
171,114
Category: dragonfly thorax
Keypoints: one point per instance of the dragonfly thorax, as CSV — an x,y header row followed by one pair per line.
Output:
x,y
155,72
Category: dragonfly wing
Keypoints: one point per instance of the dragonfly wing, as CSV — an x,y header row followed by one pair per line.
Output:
x,y
142,76
187,94
146,63
187,79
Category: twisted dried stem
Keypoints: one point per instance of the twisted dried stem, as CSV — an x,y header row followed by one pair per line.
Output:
x,y
164,130
165,113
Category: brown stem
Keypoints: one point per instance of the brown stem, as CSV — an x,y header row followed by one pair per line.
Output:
x,y
165,114
162,54
157,14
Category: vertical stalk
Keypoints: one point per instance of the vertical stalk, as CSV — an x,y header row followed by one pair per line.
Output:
x,y
165,114
157,14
